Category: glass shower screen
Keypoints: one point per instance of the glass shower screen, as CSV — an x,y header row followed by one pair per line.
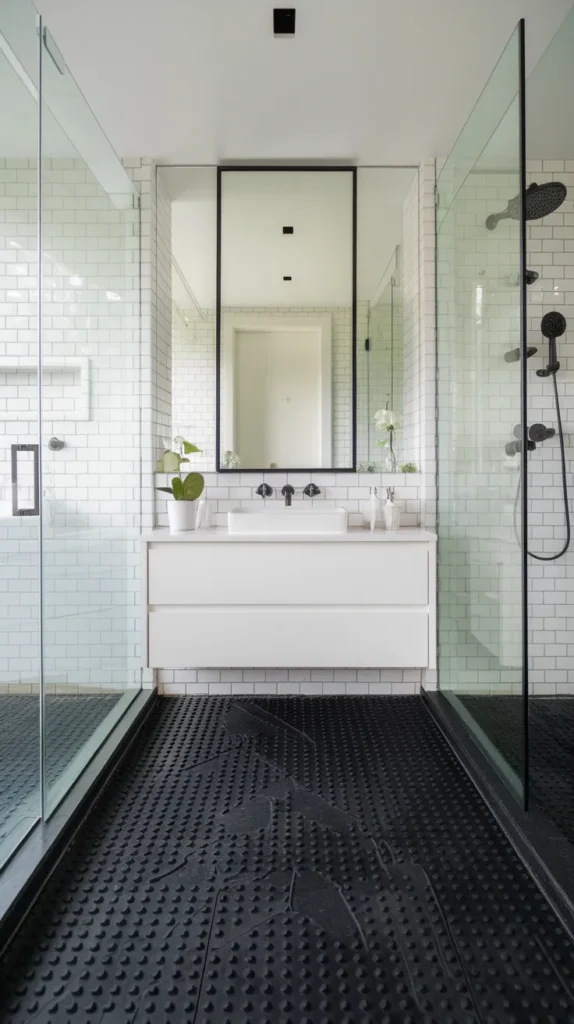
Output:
x,y
480,325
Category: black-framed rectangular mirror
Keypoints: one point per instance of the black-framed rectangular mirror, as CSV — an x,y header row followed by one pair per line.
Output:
x,y
286,319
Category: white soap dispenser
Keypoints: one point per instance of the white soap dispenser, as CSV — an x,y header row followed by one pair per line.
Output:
x,y
374,509
391,514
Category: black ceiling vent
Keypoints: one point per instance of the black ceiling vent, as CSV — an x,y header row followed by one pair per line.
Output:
x,y
287,278
284,21
287,230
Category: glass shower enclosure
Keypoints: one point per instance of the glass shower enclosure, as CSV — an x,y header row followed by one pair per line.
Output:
x,y
480,291
70,432
505,313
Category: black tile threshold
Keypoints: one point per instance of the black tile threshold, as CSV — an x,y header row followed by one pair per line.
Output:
x,y
305,860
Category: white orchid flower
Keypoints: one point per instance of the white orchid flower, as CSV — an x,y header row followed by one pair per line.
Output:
x,y
386,419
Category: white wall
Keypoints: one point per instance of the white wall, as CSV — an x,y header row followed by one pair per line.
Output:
x,y
91,487
550,248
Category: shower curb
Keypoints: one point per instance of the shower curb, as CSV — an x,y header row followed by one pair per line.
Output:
x,y
546,854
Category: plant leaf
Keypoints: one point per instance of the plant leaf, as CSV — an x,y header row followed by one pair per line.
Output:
x,y
177,488
167,490
193,486
171,462
183,460
188,448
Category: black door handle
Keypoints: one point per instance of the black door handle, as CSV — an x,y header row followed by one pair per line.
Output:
x,y
16,511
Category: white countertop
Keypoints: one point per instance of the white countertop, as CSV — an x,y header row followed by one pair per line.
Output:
x,y
219,534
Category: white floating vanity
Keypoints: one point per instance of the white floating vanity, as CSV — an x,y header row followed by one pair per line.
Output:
x,y
218,599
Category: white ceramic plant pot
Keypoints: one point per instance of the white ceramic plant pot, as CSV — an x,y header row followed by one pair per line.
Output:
x,y
182,515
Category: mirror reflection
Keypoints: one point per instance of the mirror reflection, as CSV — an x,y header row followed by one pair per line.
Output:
x,y
286,322
286,382
387,319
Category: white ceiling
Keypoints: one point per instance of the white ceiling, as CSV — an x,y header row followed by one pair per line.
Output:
x,y
255,252
204,81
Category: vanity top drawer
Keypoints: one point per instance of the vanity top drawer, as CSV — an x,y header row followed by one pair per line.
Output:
x,y
288,574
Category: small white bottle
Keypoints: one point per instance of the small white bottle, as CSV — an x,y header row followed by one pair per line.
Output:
x,y
374,509
391,514
203,515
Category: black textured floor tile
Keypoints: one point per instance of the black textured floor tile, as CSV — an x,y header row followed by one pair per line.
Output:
x,y
290,861
70,721
550,742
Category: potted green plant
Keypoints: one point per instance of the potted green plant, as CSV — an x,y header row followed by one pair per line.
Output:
x,y
185,491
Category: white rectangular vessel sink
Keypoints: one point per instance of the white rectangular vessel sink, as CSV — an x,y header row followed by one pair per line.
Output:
x,y
288,521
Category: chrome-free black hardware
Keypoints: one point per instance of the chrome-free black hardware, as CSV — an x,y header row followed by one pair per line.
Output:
x,y
514,355
288,491
264,491
35,511
514,447
538,432
311,490
552,326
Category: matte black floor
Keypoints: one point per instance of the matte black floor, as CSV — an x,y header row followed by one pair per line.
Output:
x,y
70,721
551,748
301,860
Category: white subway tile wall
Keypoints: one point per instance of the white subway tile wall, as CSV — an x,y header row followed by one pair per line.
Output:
x,y
90,330
550,251
485,584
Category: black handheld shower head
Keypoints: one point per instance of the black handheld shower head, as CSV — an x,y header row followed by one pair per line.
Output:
x,y
552,326
539,201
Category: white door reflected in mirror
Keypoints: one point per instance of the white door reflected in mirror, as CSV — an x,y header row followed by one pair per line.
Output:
x,y
287,319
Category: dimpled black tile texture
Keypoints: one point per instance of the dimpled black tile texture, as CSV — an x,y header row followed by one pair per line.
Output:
x,y
290,861
551,748
70,721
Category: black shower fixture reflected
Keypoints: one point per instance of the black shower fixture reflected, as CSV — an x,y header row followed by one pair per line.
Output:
x,y
539,201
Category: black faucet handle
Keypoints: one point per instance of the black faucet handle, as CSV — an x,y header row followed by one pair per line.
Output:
x,y
311,490
288,491
264,491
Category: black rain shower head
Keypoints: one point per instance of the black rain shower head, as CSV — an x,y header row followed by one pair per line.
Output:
x,y
539,201
553,325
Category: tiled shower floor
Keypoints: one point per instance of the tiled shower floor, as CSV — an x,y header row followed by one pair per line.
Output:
x,y
70,721
551,746
295,860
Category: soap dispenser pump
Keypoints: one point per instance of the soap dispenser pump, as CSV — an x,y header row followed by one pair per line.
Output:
x,y
391,514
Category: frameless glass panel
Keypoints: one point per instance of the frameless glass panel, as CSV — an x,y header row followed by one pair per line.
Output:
x,y
550,297
479,416
20,804
387,314
90,431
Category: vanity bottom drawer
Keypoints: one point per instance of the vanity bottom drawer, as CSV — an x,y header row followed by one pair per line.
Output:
x,y
285,637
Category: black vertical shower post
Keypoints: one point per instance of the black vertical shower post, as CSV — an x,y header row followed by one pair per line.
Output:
x,y
523,403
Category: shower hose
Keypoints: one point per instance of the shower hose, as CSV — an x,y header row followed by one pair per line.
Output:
x,y
564,549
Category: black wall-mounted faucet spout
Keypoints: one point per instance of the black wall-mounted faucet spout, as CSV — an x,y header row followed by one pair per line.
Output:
x,y
288,491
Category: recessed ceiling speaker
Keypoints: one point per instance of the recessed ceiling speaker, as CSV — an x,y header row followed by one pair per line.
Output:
x,y
284,21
